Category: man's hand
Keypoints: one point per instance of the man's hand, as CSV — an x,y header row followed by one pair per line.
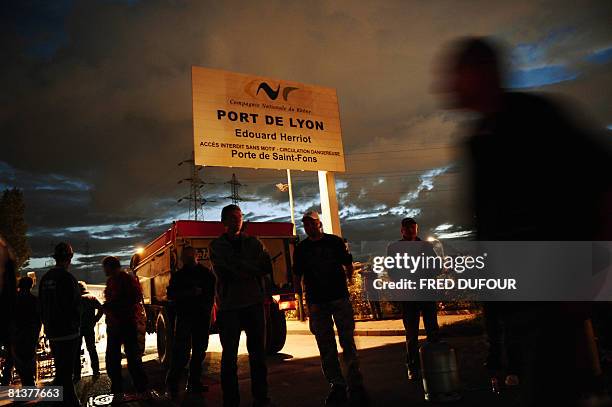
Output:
x,y
349,272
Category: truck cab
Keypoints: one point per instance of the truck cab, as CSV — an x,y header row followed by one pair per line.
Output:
x,y
155,263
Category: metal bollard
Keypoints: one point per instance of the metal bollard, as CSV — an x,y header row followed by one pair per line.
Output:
x,y
440,373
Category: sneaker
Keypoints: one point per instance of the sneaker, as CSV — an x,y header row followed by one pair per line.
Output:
x,y
337,396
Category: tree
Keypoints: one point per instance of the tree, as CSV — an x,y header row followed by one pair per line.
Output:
x,y
13,226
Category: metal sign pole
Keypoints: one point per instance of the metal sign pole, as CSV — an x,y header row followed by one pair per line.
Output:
x,y
329,203
291,200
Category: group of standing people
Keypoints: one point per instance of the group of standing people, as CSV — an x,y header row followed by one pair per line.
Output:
x,y
521,190
323,264
69,314
323,269
241,264
20,316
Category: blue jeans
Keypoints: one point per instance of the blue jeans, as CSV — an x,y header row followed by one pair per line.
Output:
x,y
322,319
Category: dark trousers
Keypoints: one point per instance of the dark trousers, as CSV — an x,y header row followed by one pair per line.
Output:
x,y
128,337
322,319
64,354
251,319
90,344
190,334
411,314
25,356
504,327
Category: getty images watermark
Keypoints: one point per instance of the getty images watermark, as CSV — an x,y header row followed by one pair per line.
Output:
x,y
490,271
458,264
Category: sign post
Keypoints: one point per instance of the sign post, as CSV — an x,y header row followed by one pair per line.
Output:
x,y
290,188
329,203
256,122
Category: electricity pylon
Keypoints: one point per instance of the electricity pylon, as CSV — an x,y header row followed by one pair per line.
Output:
x,y
235,185
196,201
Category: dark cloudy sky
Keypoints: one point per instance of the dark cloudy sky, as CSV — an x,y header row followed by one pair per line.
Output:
x,y
96,104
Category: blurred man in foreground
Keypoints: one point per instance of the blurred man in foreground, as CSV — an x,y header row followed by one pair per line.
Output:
x,y
532,166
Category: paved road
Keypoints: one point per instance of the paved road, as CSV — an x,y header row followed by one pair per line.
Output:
x,y
296,380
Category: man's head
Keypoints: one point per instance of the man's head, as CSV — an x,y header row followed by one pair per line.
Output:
x,y
471,72
83,287
111,265
188,255
63,254
25,284
312,224
231,216
410,229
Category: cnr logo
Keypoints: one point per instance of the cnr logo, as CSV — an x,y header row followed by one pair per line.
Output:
x,y
258,89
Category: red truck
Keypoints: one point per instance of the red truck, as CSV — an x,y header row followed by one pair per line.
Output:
x,y
155,263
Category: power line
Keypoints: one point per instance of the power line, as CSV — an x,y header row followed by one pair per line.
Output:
x,y
351,176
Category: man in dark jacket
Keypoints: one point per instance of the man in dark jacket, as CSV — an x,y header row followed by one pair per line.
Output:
x,y
27,330
240,262
124,313
60,302
192,288
91,312
324,263
531,166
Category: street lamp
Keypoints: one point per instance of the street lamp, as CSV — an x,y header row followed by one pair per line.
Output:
x,y
437,246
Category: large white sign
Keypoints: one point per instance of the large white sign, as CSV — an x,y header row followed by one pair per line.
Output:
x,y
251,121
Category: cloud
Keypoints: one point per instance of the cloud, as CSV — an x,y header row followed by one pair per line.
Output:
x,y
96,108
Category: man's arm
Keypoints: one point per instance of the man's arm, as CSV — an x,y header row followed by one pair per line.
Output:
x,y
263,264
100,310
298,271
346,259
